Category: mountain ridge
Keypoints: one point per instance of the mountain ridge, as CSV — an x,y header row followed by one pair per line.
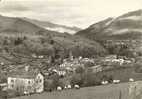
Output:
x,y
52,26
22,37
124,32
129,22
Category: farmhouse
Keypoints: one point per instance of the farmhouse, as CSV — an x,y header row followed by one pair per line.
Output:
x,y
26,81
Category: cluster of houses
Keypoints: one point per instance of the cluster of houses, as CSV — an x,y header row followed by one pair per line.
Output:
x,y
69,66
122,42
72,64
113,59
27,80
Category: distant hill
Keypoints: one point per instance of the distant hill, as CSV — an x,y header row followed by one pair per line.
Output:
x,y
125,29
53,27
25,38
127,26
96,30
9,24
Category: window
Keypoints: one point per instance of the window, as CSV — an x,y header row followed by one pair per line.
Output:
x,y
12,86
12,80
40,80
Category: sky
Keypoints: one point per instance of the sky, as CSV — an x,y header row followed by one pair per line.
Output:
x,y
81,13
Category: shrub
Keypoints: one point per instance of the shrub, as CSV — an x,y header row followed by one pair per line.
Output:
x,y
48,85
138,68
18,41
110,79
79,69
77,79
91,79
12,93
52,82
3,95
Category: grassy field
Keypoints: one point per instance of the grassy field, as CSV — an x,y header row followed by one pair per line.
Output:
x,y
123,74
112,91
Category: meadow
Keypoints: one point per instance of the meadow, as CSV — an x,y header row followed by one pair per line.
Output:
x,y
112,91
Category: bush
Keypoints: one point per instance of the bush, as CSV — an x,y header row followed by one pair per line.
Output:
x,y
138,68
79,69
12,93
52,82
85,79
91,79
48,85
110,79
18,41
3,95
77,79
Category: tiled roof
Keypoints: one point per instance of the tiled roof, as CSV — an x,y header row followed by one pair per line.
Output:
x,y
21,73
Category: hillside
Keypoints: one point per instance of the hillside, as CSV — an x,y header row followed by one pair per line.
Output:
x,y
9,24
96,30
127,26
126,29
25,38
53,26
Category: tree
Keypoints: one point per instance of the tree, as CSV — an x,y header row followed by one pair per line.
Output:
x,y
91,79
55,80
18,41
77,79
110,79
80,69
48,85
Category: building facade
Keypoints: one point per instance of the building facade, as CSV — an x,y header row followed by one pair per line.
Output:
x,y
26,82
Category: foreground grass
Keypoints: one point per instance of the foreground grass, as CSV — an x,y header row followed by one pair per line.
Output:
x,y
112,91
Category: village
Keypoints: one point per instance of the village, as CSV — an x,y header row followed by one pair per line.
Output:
x,y
70,49
25,79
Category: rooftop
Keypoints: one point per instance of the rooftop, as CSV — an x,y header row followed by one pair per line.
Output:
x,y
24,72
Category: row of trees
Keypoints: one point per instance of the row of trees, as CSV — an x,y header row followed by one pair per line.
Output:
x,y
121,49
82,77
87,77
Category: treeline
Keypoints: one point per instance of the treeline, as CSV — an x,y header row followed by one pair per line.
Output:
x,y
50,47
122,48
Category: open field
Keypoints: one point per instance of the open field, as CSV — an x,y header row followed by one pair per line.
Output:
x,y
112,91
123,74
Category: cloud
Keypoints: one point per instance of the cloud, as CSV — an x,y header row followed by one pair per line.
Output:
x,y
69,12
13,8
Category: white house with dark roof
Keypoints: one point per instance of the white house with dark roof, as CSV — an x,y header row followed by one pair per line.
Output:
x,y
26,81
